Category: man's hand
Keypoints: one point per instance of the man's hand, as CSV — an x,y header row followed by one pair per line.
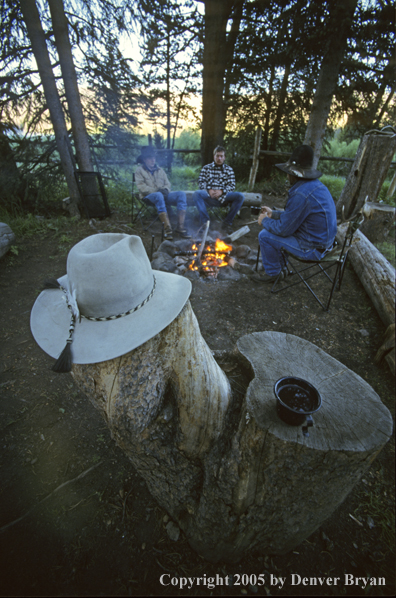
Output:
x,y
264,213
215,193
164,192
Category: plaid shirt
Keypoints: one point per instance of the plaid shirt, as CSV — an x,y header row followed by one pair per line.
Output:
x,y
217,177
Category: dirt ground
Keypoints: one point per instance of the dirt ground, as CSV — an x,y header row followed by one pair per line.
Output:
x,y
77,520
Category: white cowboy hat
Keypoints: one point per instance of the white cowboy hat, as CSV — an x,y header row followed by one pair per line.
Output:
x,y
109,302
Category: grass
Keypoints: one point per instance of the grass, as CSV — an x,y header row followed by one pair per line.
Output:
x,y
387,248
27,226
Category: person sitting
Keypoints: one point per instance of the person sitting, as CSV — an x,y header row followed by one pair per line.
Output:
x,y
216,189
153,184
307,226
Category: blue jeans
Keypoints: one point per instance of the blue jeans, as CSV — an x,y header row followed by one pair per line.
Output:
x,y
271,256
174,198
202,199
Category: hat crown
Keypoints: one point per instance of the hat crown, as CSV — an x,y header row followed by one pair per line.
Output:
x,y
300,163
110,274
302,157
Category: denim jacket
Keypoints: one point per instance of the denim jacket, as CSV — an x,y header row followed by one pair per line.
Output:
x,y
309,215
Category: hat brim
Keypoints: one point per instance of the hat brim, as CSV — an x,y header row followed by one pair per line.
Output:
x,y
95,341
309,173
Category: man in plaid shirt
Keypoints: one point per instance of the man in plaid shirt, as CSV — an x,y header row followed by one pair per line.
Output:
x,y
217,183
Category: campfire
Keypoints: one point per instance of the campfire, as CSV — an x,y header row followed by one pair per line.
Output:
x,y
210,258
205,258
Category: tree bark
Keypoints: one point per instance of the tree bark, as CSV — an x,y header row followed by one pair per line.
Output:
x,y
341,18
89,184
216,55
256,158
37,37
379,221
368,172
60,27
377,276
227,469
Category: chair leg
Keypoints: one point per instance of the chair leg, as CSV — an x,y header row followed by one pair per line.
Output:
x,y
301,277
258,257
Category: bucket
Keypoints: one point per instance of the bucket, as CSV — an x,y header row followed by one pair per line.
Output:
x,y
296,400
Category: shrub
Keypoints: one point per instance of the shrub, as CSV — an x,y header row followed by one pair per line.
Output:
x,y
335,185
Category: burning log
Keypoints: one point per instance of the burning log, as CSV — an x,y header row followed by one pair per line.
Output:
x,y
226,468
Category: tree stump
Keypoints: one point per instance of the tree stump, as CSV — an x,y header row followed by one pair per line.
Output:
x,y
227,469
379,221
368,172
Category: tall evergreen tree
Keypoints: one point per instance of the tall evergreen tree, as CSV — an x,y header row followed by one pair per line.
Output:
x,y
169,67
337,31
37,37
80,136
222,23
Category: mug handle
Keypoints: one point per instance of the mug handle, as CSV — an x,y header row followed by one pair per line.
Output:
x,y
308,424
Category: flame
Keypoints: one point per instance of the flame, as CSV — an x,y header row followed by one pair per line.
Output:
x,y
221,246
215,258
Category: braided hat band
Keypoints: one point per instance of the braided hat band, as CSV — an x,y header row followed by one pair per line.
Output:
x,y
65,361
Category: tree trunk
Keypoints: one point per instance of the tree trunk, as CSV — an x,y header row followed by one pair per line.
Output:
x,y
37,37
215,59
280,108
341,18
89,184
256,159
377,276
227,469
368,172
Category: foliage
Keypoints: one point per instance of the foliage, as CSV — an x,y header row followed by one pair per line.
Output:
x,y
169,67
387,248
189,139
335,185
339,149
184,177
383,194
28,226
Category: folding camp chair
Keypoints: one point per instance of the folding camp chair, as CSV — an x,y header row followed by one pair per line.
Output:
x,y
93,194
145,208
303,270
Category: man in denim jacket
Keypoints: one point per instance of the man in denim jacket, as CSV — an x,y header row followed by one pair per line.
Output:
x,y
307,226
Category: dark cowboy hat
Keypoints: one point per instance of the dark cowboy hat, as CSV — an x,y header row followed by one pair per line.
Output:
x,y
147,151
300,163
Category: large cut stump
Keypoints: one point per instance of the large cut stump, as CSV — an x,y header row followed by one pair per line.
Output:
x,y
229,472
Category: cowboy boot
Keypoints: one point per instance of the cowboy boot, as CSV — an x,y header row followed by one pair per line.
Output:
x,y
168,234
181,229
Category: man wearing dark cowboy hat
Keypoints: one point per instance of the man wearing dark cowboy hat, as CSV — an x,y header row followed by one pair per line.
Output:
x,y
217,189
307,226
153,184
